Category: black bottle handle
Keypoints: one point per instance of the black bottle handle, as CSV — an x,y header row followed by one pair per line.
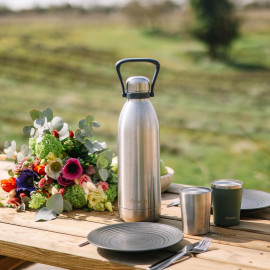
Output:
x,y
149,60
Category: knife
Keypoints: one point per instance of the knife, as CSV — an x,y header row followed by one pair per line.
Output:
x,y
173,204
163,263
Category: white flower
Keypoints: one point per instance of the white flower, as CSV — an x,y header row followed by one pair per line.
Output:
x,y
91,186
10,150
53,168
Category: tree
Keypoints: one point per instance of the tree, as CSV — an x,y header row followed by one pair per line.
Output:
x,y
215,25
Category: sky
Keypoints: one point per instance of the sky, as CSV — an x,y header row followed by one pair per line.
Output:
x,y
24,4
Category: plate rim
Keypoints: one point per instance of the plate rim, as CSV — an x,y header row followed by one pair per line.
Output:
x,y
177,240
256,208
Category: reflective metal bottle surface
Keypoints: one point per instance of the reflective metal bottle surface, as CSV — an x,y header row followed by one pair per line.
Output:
x,y
139,194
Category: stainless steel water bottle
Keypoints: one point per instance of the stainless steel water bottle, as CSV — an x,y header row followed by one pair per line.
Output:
x,y
139,194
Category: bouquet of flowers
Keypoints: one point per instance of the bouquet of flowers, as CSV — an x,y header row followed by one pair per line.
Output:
x,y
60,169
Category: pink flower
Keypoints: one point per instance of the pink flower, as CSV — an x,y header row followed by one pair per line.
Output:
x,y
42,182
84,178
61,191
104,185
64,182
90,170
72,169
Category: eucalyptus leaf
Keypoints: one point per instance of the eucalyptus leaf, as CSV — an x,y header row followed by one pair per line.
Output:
x,y
97,146
7,144
57,123
108,154
27,130
35,114
48,114
88,144
79,136
104,174
56,203
25,149
45,214
40,122
81,123
96,124
89,119
67,206
102,162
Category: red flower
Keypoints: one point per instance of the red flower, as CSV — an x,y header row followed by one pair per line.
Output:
x,y
22,195
104,185
40,169
50,180
71,134
56,134
8,184
42,182
15,201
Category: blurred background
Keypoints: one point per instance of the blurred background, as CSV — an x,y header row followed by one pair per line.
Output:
x,y
212,95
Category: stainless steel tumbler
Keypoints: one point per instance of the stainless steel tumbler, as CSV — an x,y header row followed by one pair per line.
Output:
x,y
195,205
139,192
227,197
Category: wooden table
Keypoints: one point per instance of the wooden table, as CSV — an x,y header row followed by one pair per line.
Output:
x,y
246,246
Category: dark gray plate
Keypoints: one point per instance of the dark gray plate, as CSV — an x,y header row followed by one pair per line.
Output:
x,y
135,236
254,200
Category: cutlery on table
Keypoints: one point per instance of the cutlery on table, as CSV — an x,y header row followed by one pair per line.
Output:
x,y
173,204
84,244
196,248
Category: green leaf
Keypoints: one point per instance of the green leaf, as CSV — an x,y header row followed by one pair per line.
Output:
x,y
25,149
10,172
108,154
67,206
40,122
102,162
89,119
96,124
81,123
27,130
48,114
79,136
104,174
35,114
87,130
56,203
26,200
97,146
45,214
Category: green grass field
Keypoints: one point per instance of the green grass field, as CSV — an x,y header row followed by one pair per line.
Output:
x,y
214,116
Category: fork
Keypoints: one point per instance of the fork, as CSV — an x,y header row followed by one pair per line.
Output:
x,y
197,248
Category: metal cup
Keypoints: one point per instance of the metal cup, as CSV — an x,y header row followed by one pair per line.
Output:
x,y
227,197
195,207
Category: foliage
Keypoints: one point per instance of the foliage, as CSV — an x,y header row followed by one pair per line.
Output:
x,y
215,24
49,172
76,196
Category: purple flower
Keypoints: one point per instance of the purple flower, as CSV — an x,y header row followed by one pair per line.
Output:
x,y
64,182
72,169
25,182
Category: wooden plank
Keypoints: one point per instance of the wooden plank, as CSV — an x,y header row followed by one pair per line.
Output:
x,y
8,263
62,250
